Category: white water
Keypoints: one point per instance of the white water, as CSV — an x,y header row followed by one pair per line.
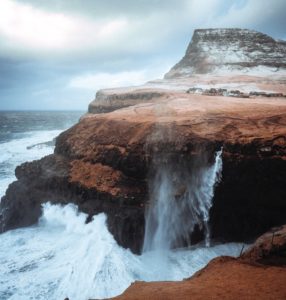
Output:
x,y
64,257
180,200
15,152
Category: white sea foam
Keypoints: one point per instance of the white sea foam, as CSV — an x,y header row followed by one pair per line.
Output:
x,y
64,257
19,150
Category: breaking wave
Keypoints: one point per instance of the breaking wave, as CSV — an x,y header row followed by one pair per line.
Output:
x,y
63,256
26,147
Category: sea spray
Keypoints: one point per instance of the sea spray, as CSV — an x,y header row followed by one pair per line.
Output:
x,y
181,197
63,256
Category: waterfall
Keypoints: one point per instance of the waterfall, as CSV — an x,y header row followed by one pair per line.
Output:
x,y
180,199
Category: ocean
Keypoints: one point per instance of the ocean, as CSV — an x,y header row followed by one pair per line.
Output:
x,y
61,256
26,136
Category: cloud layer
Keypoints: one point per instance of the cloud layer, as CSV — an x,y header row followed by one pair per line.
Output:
x,y
57,52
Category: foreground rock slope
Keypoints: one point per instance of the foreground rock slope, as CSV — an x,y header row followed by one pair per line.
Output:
x,y
223,278
105,162
260,273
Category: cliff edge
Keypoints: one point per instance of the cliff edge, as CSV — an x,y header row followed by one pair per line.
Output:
x,y
106,162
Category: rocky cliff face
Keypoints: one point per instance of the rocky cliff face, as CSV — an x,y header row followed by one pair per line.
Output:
x,y
106,161
238,50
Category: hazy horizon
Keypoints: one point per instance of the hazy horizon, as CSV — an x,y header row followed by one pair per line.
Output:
x,y
55,55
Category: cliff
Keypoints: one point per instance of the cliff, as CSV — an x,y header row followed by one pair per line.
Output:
x,y
231,50
103,164
106,162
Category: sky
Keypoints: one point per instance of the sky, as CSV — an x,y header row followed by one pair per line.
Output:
x,y
55,54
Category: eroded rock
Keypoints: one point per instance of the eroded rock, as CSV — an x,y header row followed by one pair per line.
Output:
x,y
104,163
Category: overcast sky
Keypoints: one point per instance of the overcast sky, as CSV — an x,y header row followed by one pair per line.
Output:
x,y
55,54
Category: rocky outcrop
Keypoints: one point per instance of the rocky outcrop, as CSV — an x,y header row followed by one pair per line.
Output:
x,y
269,249
260,273
94,188
112,99
239,50
105,163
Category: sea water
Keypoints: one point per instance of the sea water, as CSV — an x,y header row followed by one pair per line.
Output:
x,y
62,256
26,136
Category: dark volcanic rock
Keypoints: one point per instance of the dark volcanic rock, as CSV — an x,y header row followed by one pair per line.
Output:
x,y
269,249
58,180
250,199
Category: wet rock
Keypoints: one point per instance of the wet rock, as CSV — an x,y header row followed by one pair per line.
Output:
x,y
269,249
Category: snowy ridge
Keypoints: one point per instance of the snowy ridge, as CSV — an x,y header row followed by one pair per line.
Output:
x,y
231,50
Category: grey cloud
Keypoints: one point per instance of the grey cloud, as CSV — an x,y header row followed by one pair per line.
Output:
x,y
161,33
266,16
99,8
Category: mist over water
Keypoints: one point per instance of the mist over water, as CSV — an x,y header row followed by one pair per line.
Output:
x,y
181,197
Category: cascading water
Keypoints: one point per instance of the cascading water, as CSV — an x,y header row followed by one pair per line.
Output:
x,y
62,256
181,197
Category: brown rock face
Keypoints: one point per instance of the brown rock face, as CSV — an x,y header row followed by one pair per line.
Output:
x,y
106,162
223,278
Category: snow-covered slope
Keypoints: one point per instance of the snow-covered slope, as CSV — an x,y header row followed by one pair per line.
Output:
x,y
227,50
